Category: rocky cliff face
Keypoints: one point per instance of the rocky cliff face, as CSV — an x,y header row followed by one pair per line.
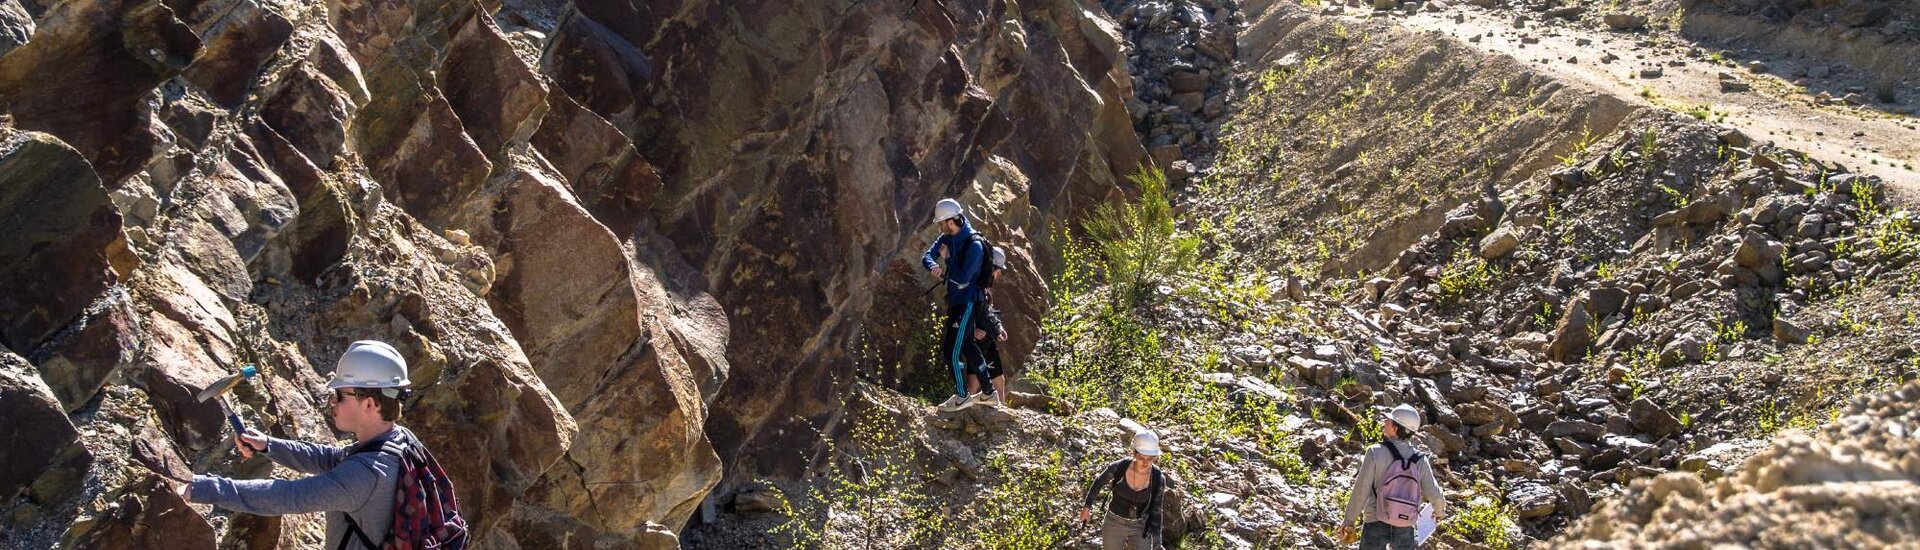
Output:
x,y
624,246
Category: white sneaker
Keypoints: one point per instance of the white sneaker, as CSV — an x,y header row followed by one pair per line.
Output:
x,y
988,399
956,403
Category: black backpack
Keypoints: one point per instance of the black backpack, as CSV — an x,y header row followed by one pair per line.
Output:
x,y
984,278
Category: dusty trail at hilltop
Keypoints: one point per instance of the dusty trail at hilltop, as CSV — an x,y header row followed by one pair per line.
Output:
x,y
1774,109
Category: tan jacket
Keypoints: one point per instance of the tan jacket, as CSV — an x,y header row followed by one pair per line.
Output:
x,y
1360,500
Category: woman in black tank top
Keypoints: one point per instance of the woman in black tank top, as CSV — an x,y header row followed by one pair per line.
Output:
x,y
1133,514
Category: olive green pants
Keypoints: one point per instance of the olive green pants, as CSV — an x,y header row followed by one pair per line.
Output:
x,y
1119,533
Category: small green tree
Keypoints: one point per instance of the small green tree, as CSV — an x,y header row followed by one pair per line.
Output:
x,y
1136,244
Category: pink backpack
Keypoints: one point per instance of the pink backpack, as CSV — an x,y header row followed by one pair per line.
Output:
x,y
1396,494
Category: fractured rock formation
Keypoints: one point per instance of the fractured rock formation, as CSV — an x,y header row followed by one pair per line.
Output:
x,y
625,248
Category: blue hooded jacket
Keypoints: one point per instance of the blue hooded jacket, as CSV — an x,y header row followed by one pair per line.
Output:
x,y
963,265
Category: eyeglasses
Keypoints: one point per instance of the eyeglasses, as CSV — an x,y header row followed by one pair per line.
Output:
x,y
342,395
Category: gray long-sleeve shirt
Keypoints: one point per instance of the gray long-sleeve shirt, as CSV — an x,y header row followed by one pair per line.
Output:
x,y
342,483
1360,499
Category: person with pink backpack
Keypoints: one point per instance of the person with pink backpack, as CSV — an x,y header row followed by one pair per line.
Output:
x,y
1393,480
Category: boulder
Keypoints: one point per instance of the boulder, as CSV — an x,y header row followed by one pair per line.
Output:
x,y
1483,413
1502,242
1531,500
148,514
41,448
1187,81
1444,441
1624,21
1577,429
1682,349
757,501
1653,419
1787,331
1314,371
64,244
1864,13
1713,207
1191,102
1735,138
1573,334
1566,12
1529,341
1606,300
1753,251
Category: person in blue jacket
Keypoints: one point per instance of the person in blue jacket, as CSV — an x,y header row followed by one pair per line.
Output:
x,y
956,257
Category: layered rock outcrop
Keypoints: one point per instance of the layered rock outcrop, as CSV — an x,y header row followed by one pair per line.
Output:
x,y
625,248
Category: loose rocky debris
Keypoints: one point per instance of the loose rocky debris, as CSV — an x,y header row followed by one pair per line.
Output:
x,y
1603,322
1652,256
1643,305
1854,483
1180,55
1643,294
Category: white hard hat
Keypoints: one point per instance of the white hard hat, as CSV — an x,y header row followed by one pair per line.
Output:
x,y
1146,443
999,258
946,209
1404,415
370,364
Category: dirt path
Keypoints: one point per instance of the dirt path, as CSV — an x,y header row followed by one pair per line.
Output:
x,y
1773,110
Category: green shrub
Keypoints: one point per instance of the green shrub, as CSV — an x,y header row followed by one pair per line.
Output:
x,y
1137,245
1026,511
1465,276
1102,353
1483,520
868,497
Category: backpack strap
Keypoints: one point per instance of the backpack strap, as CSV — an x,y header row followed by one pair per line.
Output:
x,y
986,252
1395,451
392,445
353,528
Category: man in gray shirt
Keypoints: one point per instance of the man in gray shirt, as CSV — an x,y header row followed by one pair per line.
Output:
x,y
1362,508
352,487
